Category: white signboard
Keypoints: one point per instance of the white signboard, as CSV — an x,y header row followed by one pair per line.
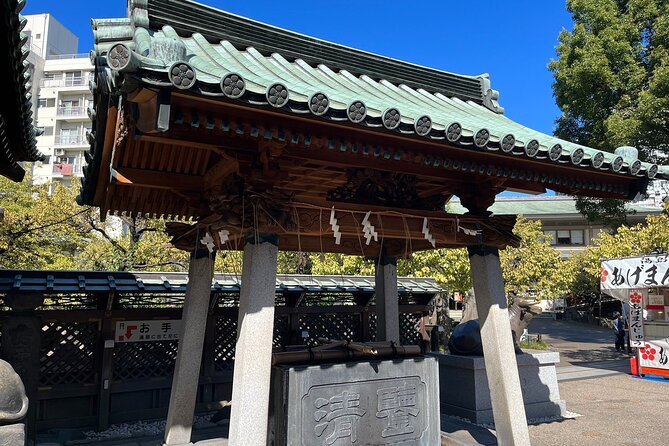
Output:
x,y
656,300
635,272
655,354
146,331
636,318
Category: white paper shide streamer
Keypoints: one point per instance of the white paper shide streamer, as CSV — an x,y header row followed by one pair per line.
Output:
x,y
427,234
368,229
335,226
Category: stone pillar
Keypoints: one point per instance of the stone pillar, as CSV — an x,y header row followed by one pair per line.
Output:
x,y
21,334
500,359
189,354
387,300
253,352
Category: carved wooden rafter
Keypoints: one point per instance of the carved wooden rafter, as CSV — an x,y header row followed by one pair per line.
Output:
x,y
374,187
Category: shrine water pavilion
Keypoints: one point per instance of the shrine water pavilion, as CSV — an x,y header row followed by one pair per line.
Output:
x,y
250,137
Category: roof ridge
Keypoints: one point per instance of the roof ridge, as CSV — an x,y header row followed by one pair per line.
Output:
x,y
188,17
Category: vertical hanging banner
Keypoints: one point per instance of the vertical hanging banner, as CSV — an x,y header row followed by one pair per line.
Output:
x,y
636,318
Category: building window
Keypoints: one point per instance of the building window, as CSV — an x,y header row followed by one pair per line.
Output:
x,y
43,102
38,36
48,131
565,237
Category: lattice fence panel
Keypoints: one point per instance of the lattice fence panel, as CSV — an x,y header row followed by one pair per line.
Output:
x,y
67,354
224,347
409,334
281,331
342,326
141,360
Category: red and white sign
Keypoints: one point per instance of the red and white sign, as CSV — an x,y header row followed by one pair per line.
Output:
x,y
636,318
635,272
655,354
146,331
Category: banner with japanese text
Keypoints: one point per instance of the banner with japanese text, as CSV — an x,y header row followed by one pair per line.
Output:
x,y
635,318
145,331
635,272
655,354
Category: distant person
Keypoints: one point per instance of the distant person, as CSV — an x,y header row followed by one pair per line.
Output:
x,y
626,322
619,330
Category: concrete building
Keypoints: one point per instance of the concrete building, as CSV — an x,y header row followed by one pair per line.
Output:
x,y
61,98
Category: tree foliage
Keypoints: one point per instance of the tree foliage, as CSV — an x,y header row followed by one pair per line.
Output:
x,y
534,265
582,271
612,84
612,74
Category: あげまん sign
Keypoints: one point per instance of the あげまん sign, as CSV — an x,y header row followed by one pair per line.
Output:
x,y
146,331
635,272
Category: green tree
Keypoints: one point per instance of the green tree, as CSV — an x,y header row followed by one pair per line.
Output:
x,y
533,265
36,231
612,83
582,272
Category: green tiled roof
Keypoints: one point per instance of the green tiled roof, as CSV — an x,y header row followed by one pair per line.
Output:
x,y
182,44
17,134
536,207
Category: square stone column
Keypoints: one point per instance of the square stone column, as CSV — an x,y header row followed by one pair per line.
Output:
x,y
387,300
189,353
253,352
500,359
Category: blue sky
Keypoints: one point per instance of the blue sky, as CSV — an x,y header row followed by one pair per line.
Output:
x,y
512,40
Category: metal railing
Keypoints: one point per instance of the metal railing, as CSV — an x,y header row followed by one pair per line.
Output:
x,y
67,82
70,140
67,56
71,111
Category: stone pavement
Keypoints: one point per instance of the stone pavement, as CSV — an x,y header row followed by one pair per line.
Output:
x,y
613,407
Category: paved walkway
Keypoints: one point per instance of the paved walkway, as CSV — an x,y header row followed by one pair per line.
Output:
x,y
611,407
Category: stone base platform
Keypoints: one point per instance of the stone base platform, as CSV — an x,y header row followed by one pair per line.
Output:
x,y
464,391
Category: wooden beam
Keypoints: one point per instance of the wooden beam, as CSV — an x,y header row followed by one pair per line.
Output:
x,y
157,179
220,171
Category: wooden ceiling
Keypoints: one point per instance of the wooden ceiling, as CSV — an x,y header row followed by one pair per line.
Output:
x,y
233,167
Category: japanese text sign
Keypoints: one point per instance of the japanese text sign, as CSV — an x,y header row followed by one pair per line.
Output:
x,y
635,272
636,318
145,331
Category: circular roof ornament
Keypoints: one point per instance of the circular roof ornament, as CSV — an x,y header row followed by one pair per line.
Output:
x,y
356,112
423,125
555,152
598,160
118,57
577,156
635,167
391,118
454,132
319,104
481,138
277,95
617,163
652,171
532,148
233,85
182,75
508,143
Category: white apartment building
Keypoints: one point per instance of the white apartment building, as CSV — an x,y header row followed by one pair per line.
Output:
x,y
62,97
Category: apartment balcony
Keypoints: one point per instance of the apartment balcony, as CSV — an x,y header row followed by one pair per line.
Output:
x,y
63,170
70,140
71,113
69,82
